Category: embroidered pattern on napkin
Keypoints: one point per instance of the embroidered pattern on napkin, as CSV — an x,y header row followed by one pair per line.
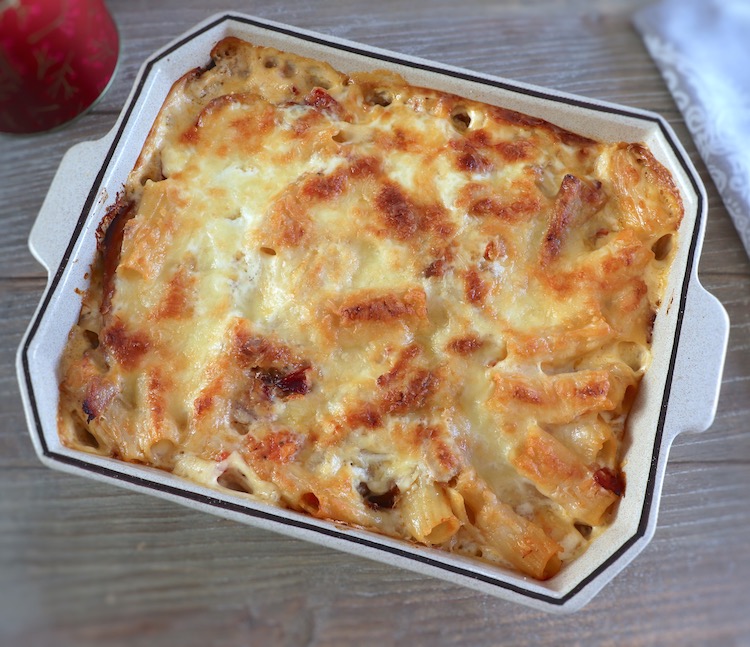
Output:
x,y
703,52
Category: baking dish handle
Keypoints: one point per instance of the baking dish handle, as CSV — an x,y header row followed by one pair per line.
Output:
x,y
700,360
66,198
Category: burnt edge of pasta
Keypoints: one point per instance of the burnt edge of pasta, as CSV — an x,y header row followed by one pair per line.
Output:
x,y
145,483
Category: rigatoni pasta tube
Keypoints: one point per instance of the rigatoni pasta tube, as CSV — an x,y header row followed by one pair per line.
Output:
x,y
497,528
427,513
559,474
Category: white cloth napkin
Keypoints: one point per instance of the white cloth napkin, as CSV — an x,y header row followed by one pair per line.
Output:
x,y
702,48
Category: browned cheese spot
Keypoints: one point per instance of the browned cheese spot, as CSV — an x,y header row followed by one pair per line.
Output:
x,y
157,384
436,269
246,128
127,347
401,366
404,218
177,302
399,213
259,351
512,211
539,459
249,128
495,249
407,386
576,202
365,415
362,167
324,187
413,393
190,135
446,457
475,288
277,447
469,159
319,99
203,403
632,296
443,256
386,307
304,123
526,394
618,263
592,390
271,369
288,221
473,162
514,118
465,345
397,140
432,436
515,151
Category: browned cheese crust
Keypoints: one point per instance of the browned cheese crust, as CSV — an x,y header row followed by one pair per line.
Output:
x,y
378,304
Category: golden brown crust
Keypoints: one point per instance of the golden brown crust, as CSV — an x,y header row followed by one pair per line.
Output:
x,y
375,303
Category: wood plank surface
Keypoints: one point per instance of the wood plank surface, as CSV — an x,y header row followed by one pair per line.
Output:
x,y
83,563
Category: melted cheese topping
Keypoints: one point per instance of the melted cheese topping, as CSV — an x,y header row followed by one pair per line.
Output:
x,y
377,304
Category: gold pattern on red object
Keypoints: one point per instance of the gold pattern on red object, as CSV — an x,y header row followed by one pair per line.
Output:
x,y
56,59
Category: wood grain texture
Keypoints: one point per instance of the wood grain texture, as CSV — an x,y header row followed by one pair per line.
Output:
x,y
88,564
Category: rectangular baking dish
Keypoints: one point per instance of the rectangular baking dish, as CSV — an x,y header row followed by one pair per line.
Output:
x,y
679,392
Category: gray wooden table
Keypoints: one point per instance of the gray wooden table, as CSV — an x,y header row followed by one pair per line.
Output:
x,y
88,564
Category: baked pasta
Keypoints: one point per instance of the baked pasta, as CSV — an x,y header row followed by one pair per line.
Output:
x,y
377,304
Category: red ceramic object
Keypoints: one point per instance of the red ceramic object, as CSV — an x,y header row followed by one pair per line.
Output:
x,y
56,59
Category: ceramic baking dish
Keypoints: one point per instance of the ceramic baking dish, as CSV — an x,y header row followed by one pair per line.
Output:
x,y
679,392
